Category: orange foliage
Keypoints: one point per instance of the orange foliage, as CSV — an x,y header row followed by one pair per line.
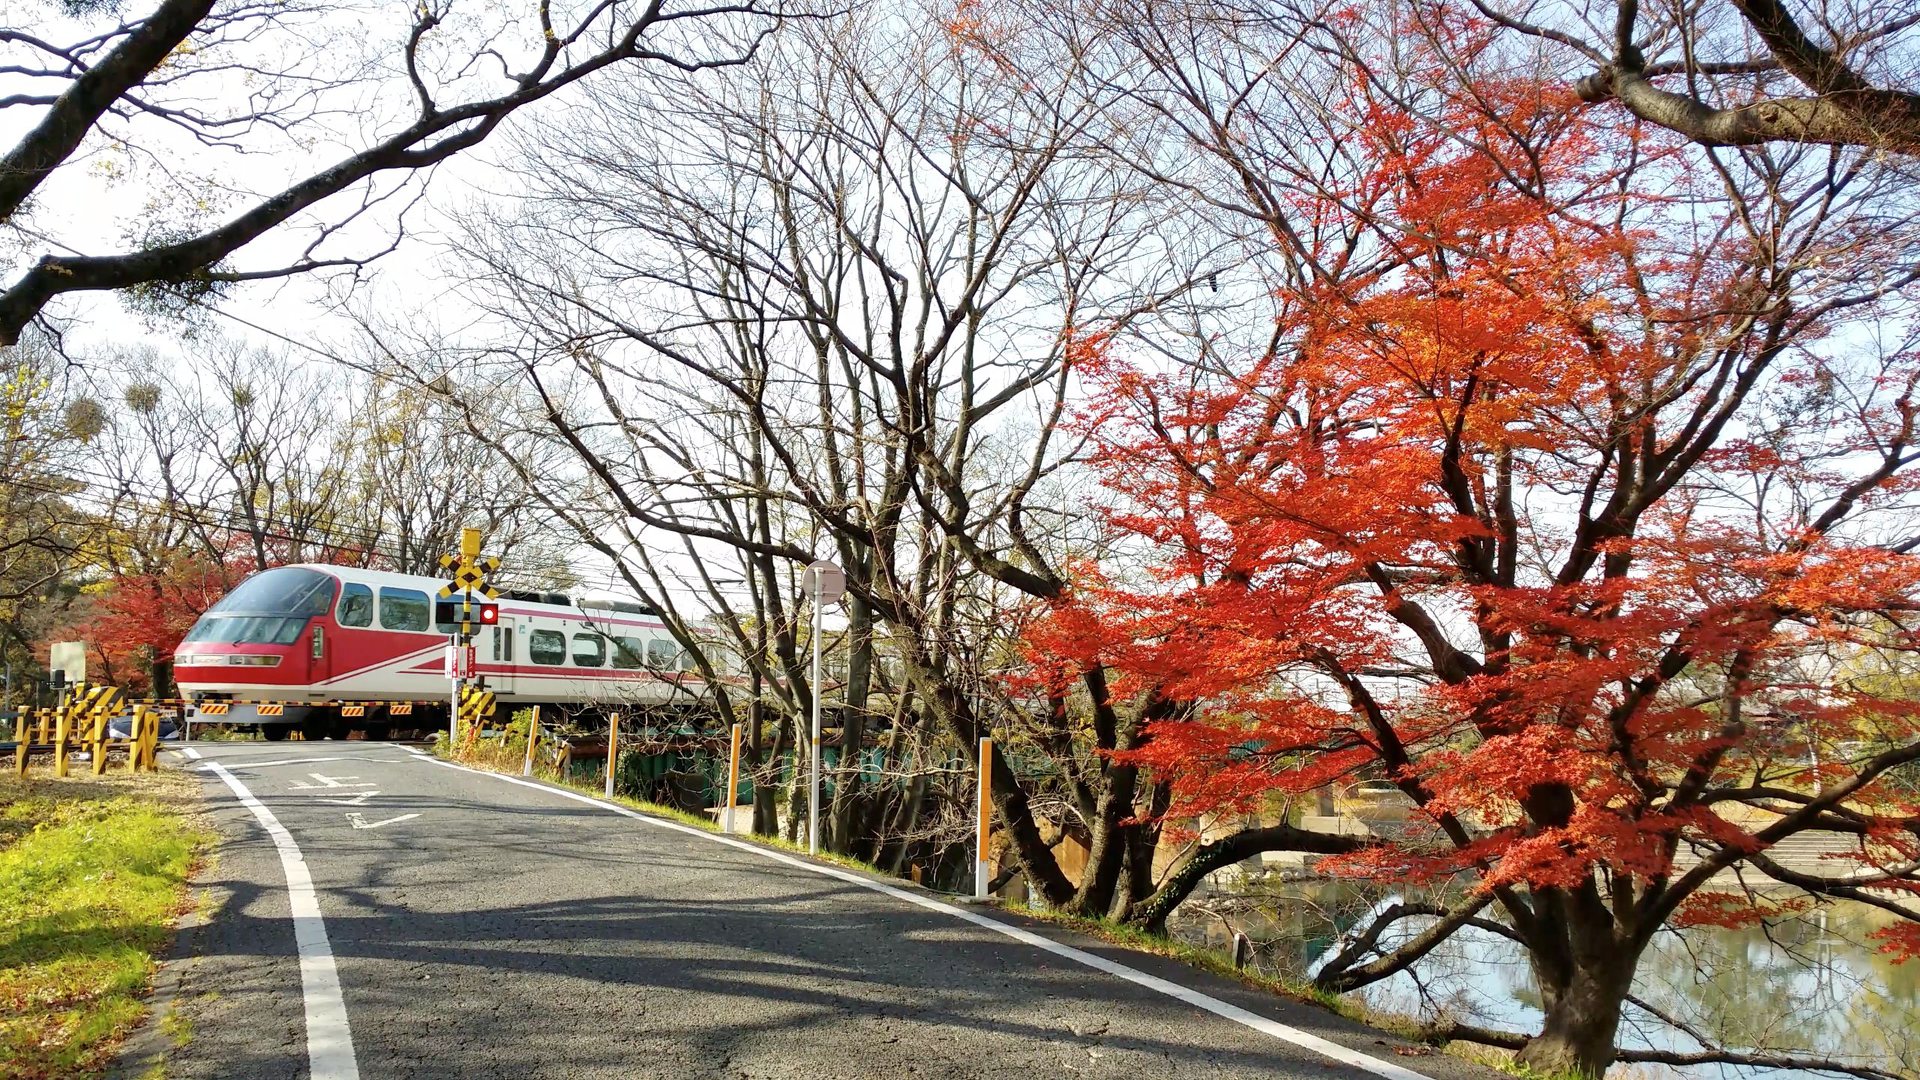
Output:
x,y
1406,544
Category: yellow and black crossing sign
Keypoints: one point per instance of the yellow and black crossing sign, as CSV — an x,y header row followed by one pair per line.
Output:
x,y
469,572
470,577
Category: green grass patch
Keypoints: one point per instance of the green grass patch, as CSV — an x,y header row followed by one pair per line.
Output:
x,y
1212,960
93,873
177,1027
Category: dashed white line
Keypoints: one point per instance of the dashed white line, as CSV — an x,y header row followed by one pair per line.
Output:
x,y
1223,1009
329,1039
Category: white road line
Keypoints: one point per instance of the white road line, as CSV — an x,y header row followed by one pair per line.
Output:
x,y
243,763
329,1040
1225,1010
360,822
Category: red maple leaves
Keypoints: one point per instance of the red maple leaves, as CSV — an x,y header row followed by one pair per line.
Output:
x,y
1475,527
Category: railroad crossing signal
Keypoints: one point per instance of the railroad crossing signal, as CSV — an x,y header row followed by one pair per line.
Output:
x,y
453,611
468,573
469,577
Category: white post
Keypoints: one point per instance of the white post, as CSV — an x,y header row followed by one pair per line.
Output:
x,y
613,750
813,783
453,710
984,822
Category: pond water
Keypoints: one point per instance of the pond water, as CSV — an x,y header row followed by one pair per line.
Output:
x,y
1809,983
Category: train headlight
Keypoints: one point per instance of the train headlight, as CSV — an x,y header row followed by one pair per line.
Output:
x,y
253,661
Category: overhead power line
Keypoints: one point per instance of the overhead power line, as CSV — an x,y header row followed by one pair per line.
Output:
x,y
206,517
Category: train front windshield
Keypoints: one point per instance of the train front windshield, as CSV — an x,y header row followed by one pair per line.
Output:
x,y
269,608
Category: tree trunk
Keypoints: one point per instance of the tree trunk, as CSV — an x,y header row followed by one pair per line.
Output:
x,y
1143,841
1582,1005
766,813
798,793
853,727
1107,849
1012,810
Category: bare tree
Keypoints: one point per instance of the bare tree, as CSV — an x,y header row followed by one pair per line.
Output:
x,y
830,304
1743,73
392,91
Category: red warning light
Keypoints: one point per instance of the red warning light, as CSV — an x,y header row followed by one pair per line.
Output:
x,y
489,614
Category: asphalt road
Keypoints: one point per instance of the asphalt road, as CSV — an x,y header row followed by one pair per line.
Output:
x,y
481,927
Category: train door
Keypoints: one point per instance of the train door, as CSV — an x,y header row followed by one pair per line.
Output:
x,y
501,654
319,653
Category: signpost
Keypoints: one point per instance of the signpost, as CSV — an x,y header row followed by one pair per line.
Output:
x,y
613,750
827,583
468,573
733,782
983,820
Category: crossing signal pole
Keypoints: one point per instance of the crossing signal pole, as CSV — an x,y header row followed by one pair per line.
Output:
x,y
469,572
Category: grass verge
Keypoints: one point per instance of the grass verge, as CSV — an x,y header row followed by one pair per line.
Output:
x,y
93,873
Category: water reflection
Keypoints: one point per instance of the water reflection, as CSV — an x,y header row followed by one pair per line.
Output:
x,y
1806,984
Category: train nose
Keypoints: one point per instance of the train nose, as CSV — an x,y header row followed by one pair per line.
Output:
x,y
256,636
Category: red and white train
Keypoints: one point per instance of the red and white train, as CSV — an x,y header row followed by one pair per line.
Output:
x,y
333,635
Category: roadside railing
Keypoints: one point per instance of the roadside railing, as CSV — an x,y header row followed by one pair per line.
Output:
x,y
83,723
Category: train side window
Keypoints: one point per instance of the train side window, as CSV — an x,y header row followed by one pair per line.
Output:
x,y
547,647
405,609
628,653
589,650
503,644
356,605
660,652
686,661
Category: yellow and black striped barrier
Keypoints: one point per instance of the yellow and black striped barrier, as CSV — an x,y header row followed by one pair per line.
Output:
x,y
82,721
279,708
476,711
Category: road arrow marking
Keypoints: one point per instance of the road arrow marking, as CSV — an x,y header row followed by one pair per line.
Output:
x,y
357,800
328,782
362,823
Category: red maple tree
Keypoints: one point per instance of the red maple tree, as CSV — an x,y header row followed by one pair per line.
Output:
x,y
133,622
1567,503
